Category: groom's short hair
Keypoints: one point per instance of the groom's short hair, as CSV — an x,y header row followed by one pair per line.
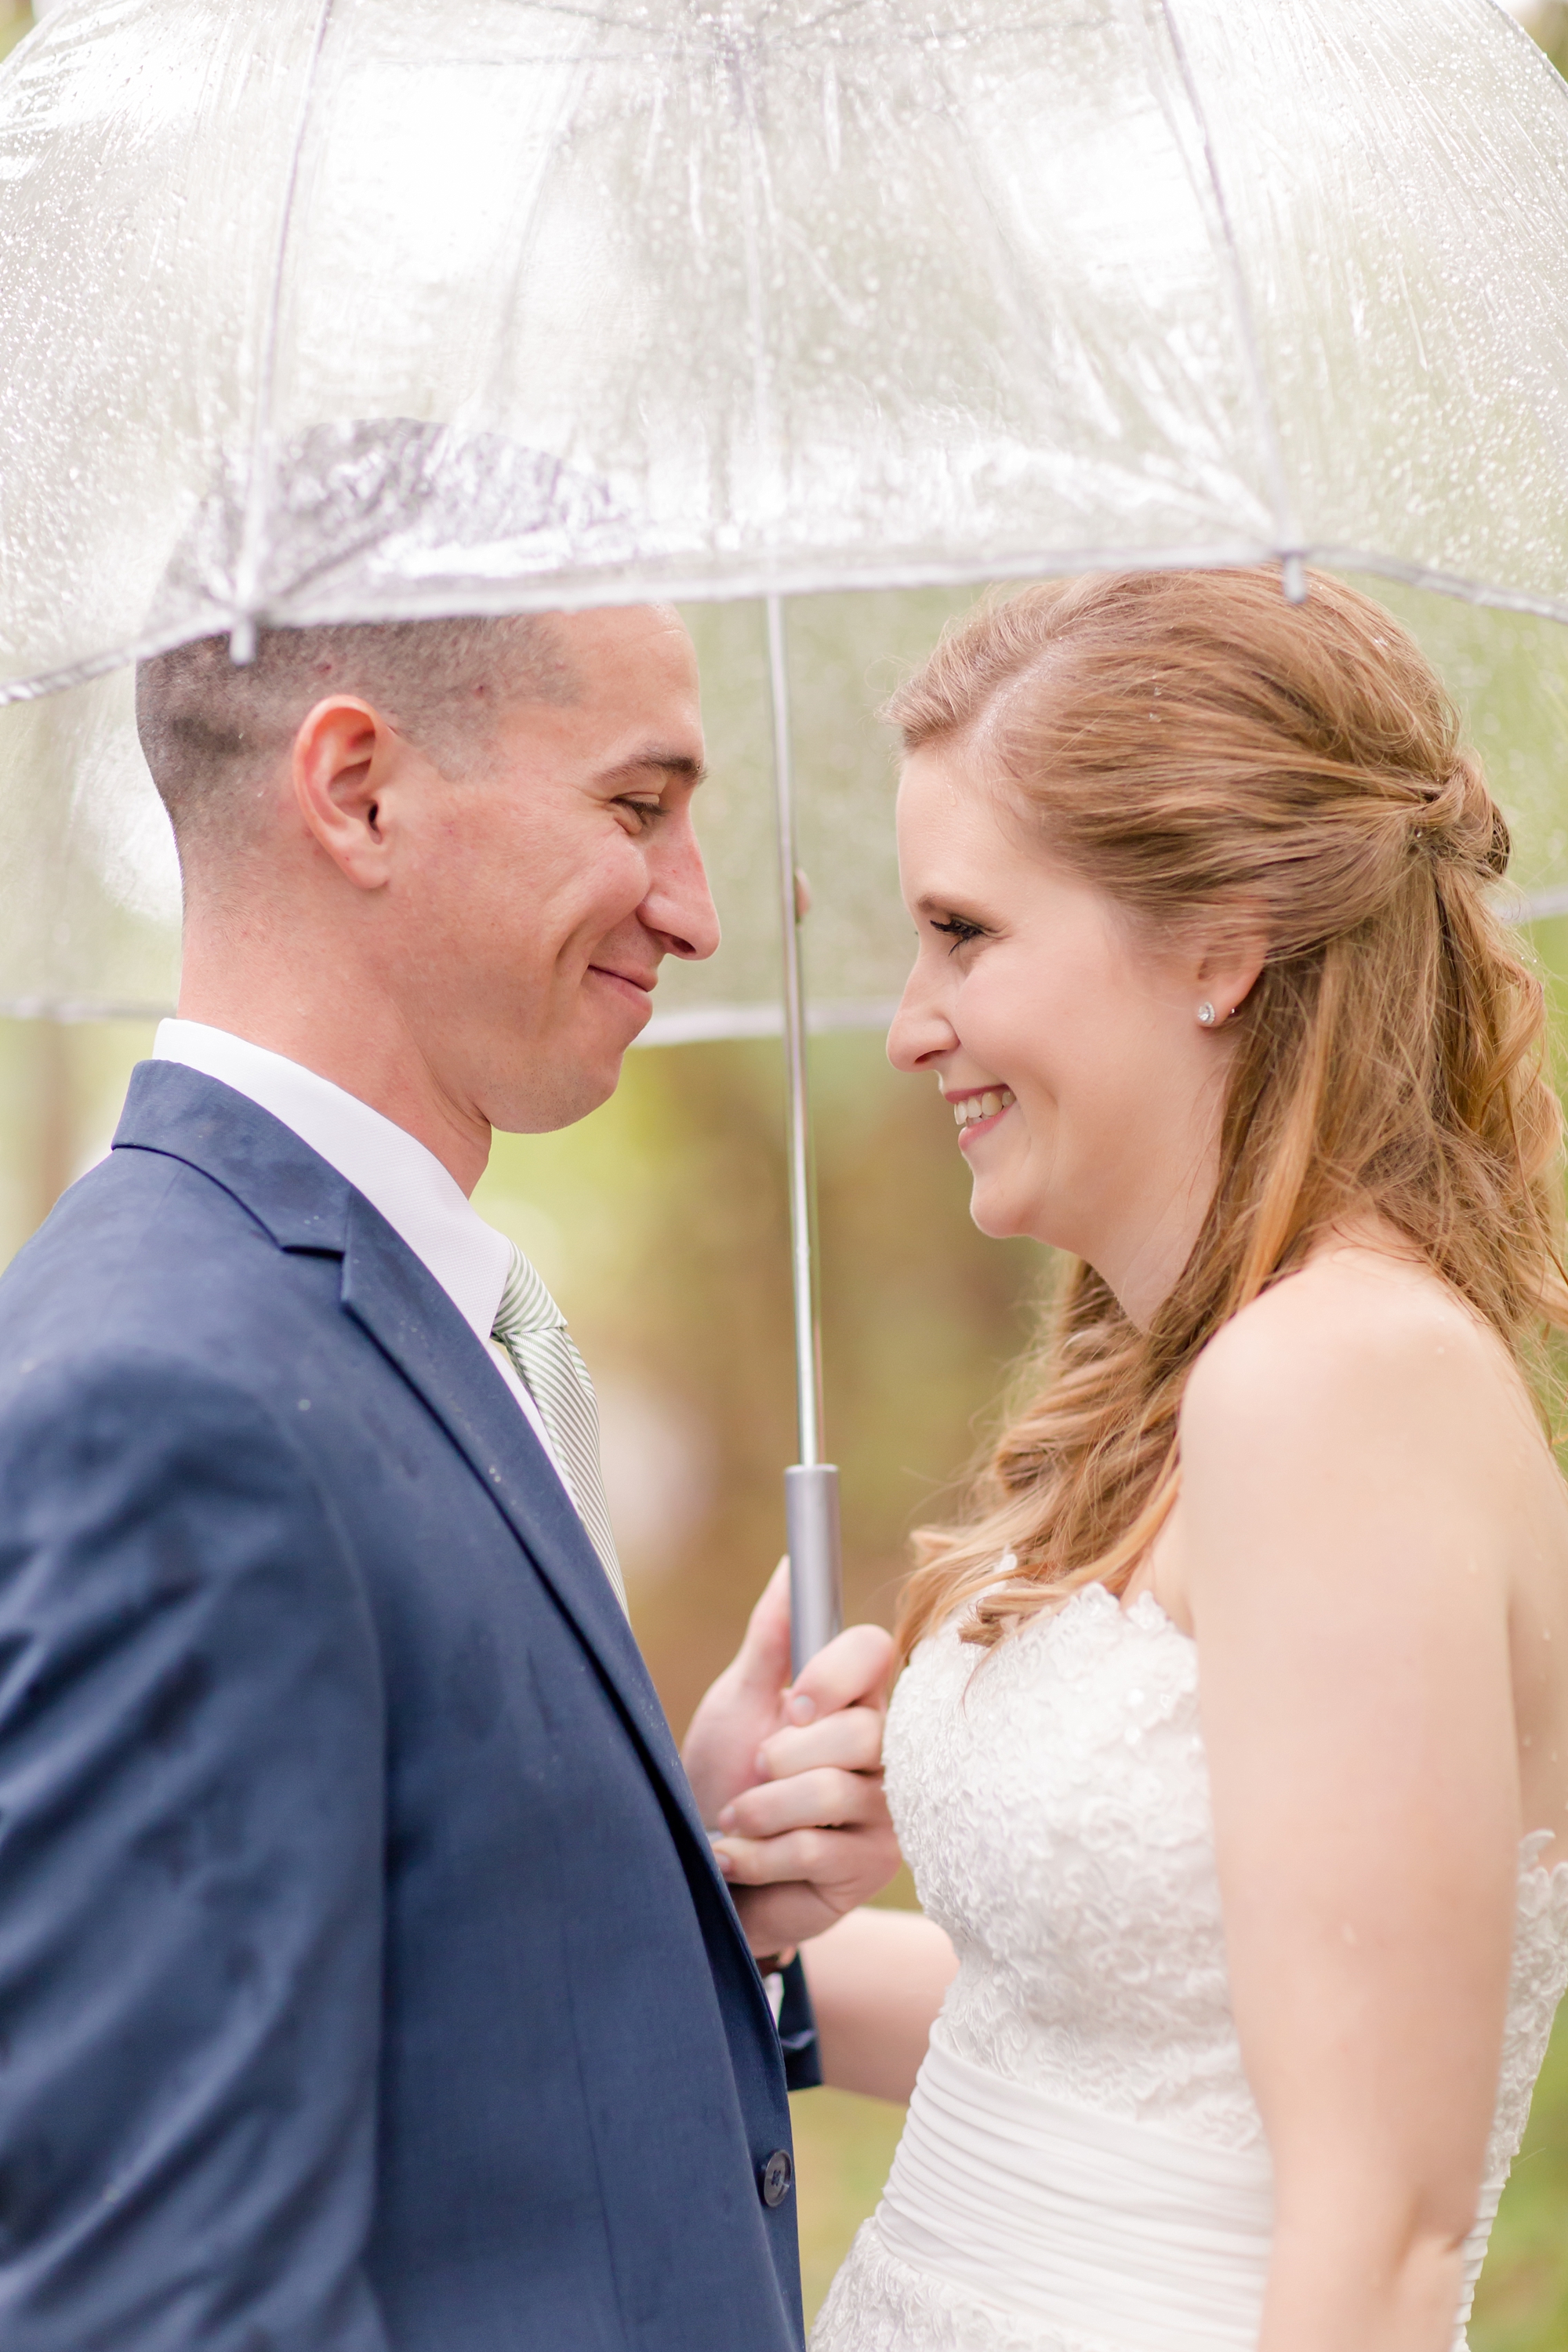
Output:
x,y
348,507
212,729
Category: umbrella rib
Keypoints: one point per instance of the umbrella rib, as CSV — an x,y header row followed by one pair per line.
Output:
x,y
1291,551
242,636
697,587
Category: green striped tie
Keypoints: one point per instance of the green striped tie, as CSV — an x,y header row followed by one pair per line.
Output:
x,y
533,1330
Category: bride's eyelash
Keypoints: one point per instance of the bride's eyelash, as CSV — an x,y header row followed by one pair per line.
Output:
x,y
958,930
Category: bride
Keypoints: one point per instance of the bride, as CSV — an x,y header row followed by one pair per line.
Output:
x,y
1231,1756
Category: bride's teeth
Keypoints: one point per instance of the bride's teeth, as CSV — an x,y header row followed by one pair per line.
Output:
x,y
969,1108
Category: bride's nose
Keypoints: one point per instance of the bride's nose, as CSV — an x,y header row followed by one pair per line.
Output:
x,y
921,1033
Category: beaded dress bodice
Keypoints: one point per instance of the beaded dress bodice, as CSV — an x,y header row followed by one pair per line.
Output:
x,y
1052,1798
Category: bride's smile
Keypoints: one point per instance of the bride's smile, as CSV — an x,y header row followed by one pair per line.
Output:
x,y
977,1107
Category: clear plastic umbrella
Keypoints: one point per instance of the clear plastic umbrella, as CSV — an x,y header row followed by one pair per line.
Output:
x,y
721,300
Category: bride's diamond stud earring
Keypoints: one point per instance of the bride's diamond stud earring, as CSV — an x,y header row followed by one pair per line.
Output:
x,y
1205,1015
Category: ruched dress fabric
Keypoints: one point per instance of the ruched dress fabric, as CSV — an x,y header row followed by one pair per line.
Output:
x,y
1084,2166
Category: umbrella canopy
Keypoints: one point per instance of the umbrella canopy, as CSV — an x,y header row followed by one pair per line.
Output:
x,y
355,309
710,298
773,296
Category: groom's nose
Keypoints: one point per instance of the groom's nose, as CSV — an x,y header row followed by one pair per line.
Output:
x,y
680,904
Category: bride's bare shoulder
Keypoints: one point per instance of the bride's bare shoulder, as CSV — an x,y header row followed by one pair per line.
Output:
x,y
1363,1338
1359,1431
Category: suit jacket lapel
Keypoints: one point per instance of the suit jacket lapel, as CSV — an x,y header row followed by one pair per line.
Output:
x,y
305,1204
388,1291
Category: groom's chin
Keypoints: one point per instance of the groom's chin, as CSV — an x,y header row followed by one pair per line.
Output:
x,y
558,1090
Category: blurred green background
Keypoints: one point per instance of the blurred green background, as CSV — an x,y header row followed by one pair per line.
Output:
x,y
660,1223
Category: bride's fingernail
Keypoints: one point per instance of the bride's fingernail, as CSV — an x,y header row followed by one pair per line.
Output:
x,y
727,1817
726,1862
800,1709
759,1763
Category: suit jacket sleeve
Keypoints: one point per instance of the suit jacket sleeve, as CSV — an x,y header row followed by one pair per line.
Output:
x,y
191,1812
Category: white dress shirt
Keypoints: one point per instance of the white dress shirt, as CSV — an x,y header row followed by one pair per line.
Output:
x,y
421,1200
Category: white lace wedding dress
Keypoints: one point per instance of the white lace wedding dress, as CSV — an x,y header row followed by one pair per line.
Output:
x,y
1084,2168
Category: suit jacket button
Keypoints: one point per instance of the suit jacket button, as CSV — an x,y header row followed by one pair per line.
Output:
x,y
778,2175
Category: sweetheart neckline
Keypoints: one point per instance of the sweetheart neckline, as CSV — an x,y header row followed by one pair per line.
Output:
x,y
1099,1592
1156,1618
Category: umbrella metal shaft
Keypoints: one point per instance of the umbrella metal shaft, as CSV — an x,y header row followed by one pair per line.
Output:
x,y
811,1488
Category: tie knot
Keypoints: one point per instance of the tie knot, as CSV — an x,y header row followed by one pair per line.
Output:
x,y
525,1302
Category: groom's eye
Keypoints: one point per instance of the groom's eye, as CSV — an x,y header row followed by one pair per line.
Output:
x,y
643,811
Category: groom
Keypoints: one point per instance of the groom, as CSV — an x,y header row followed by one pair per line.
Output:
x,y
367,1980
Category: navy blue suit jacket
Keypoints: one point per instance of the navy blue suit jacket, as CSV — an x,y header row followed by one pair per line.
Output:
x,y
366,1982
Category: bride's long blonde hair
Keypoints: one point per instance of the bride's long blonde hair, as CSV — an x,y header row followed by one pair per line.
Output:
x,y
1210,755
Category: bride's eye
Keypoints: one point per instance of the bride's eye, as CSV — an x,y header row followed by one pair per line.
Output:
x,y
959,931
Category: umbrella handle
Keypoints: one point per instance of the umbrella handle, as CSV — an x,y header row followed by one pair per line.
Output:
x,y
815,1581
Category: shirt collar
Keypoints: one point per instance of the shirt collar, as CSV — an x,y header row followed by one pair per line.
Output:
x,y
421,1200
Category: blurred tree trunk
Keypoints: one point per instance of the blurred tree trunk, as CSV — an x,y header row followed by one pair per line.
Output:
x,y
53,1122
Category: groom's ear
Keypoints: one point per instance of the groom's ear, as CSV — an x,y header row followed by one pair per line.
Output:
x,y
343,760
